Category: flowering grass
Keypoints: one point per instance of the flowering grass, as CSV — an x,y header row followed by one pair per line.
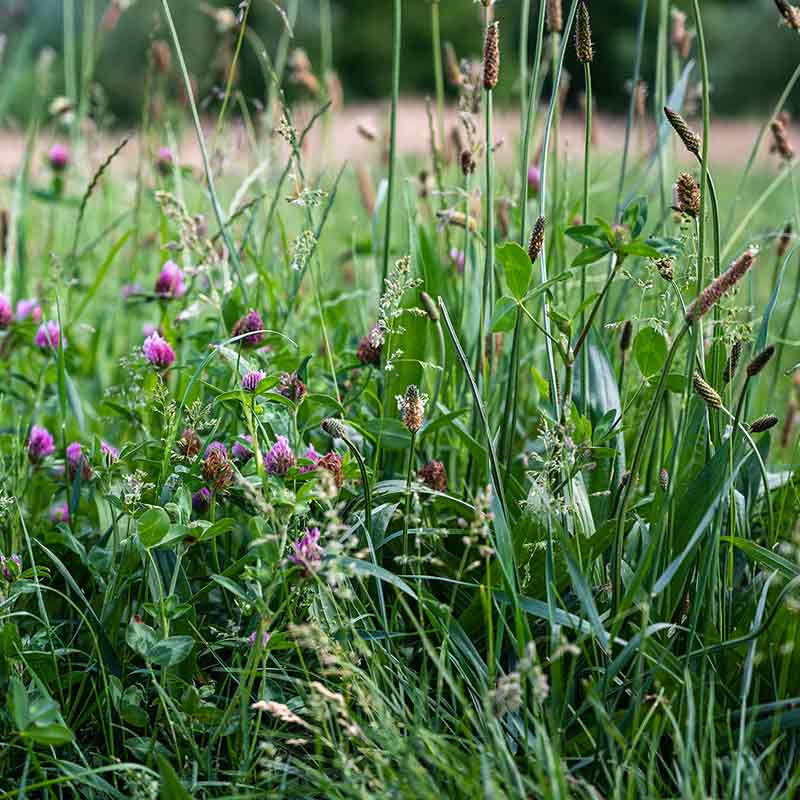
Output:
x,y
273,526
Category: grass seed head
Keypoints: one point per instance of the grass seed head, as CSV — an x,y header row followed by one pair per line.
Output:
x,y
555,16
626,337
491,57
686,195
706,392
711,295
537,240
763,423
583,35
760,361
691,141
733,361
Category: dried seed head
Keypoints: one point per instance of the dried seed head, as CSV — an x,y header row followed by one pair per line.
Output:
x,y
686,195
625,338
537,240
189,443
583,35
429,306
706,391
333,427
780,139
491,57
763,423
790,14
467,162
411,406
733,361
690,139
663,479
720,285
449,216
555,16
665,268
760,361
785,240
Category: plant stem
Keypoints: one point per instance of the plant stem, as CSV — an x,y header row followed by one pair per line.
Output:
x,y
408,491
438,71
398,23
587,151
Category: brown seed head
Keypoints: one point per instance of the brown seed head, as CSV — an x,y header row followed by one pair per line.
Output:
x,y
583,34
189,443
625,338
706,391
412,408
760,361
491,57
332,462
217,469
467,162
719,286
429,306
780,139
790,14
665,268
692,142
434,476
555,16
537,240
333,427
686,195
733,361
763,423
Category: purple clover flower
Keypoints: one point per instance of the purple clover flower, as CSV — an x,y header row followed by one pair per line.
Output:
x,y
249,323
40,444
131,290
6,314
306,551
77,462
242,450
201,500
280,458
216,447
29,308
313,456
251,380
534,178
169,283
158,351
458,259
164,161
10,566
58,157
251,639
110,453
59,513
48,336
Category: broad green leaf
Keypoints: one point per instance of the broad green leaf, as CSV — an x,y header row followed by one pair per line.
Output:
x,y
650,351
504,315
171,651
153,526
517,268
590,255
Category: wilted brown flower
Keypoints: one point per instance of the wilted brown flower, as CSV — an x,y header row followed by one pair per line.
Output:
x,y
217,468
370,347
292,387
434,476
189,443
332,462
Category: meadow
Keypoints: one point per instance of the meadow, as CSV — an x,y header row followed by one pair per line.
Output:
x,y
466,473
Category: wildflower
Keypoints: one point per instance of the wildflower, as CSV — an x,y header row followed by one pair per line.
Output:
x,y
250,324
307,552
370,347
292,387
164,161
411,406
48,336
720,285
58,157
690,139
11,566
434,476
706,391
534,178
763,423
109,452
280,458
251,639
158,351
491,57
40,444
169,283
760,361
458,259
29,308
217,468
251,380
59,513
583,35
6,315
686,195
332,463
240,451
189,443
311,455
201,500
537,240
77,462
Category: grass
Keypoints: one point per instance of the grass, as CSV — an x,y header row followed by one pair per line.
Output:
x,y
565,564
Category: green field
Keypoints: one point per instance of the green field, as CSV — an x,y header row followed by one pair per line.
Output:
x,y
470,474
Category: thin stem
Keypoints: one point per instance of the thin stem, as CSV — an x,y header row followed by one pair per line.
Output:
x,y
408,491
587,152
438,71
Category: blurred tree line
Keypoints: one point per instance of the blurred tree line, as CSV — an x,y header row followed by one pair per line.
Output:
x,y
751,56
